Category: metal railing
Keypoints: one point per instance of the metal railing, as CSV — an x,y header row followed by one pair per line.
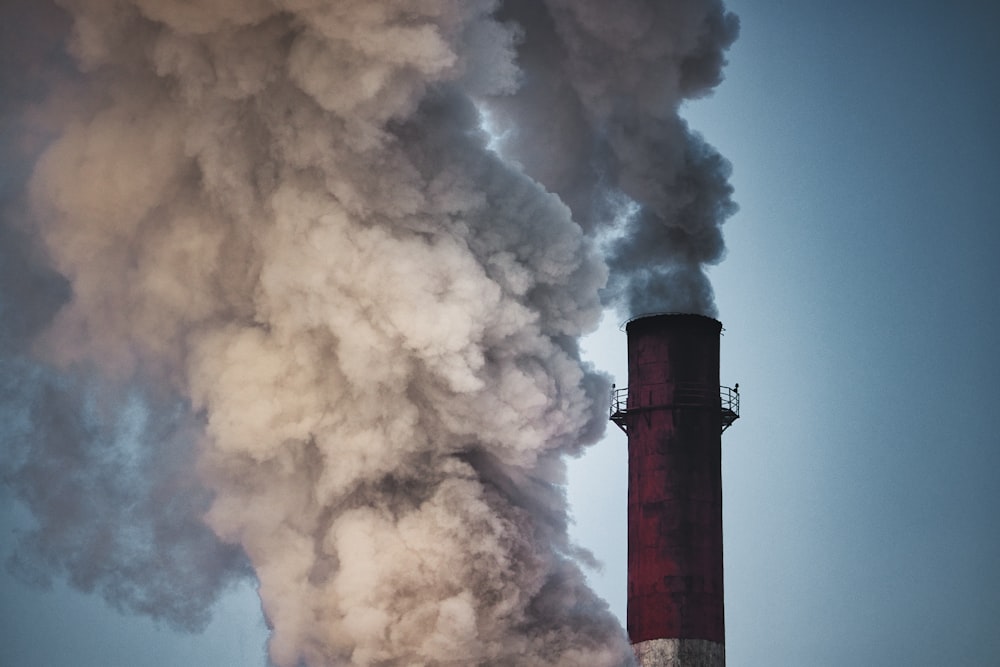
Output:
x,y
685,396
619,401
730,405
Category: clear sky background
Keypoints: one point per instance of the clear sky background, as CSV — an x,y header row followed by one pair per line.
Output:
x,y
859,296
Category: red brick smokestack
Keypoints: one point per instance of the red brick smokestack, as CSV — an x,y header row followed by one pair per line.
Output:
x,y
674,424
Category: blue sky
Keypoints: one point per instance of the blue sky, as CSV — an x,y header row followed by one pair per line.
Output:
x,y
862,507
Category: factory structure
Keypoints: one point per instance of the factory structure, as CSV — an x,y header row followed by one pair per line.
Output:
x,y
674,412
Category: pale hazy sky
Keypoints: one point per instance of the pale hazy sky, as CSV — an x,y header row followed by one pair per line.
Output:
x,y
862,502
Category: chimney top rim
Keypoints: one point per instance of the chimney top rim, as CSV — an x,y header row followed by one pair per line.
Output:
x,y
624,325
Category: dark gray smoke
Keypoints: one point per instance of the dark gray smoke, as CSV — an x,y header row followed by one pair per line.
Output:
x,y
283,311
596,121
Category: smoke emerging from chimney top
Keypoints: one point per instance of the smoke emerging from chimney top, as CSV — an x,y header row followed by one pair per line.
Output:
x,y
281,303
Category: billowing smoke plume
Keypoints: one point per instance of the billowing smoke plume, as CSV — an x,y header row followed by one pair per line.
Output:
x,y
596,122
269,241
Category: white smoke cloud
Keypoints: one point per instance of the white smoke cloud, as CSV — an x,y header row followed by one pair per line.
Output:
x,y
286,213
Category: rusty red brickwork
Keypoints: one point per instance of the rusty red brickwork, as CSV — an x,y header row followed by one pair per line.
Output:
x,y
675,479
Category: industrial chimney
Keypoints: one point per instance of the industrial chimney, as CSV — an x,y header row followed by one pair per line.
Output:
x,y
674,413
